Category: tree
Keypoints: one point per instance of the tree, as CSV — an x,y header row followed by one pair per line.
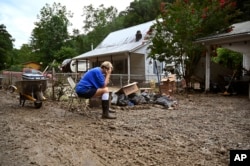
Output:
x,y
181,23
244,7
25,54
97,24
65,53
141,11
228,58
6,47
51,32
100,17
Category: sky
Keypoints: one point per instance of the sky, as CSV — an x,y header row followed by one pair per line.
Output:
x,y
19,16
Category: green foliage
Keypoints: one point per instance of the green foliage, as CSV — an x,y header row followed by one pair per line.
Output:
x,y
97,18
18,67
98,24
228,58
25,54
51,31
181,23
6,46
141,11
65,53
244,7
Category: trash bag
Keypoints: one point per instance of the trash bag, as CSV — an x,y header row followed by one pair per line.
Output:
x,y
114,98
146,96
164,101
138,99
122,100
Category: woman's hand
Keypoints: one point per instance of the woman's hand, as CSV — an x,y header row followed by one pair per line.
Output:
x,y
108,71
107,76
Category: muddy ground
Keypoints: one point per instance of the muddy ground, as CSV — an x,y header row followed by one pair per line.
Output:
x,y
200,132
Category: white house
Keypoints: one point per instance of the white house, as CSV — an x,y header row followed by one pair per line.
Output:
x,y
238,39
127,50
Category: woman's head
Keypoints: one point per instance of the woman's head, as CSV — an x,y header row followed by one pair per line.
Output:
x,y
107,65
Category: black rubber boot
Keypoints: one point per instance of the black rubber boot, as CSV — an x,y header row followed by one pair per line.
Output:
x,y
105,110
112,111
110,98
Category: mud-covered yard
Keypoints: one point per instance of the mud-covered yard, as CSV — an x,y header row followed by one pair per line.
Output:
x,y
200,132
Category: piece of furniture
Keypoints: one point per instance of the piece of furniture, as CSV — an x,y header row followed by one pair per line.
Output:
x,y
82,104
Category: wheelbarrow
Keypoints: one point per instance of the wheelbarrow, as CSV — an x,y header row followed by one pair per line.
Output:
x,y
30,88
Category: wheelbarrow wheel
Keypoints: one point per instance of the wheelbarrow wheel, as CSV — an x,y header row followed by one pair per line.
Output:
x,y
38,104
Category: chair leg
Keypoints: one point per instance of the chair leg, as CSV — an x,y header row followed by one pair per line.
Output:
x,y
87,105
70,104
84,107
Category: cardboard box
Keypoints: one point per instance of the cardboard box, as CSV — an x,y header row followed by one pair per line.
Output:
x,y
168,85
128,89
168,88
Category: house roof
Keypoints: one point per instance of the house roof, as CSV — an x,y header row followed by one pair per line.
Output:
x,y
239,32
120,41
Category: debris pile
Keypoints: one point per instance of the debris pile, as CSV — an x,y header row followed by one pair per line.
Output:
x,y
130,95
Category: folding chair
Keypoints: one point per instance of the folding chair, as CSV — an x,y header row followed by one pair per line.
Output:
x,y
82,103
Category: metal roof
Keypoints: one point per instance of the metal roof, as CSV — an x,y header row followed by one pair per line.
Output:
x,y
240,32
120,41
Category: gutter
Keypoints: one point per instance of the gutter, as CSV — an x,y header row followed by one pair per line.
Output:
x,y
220,37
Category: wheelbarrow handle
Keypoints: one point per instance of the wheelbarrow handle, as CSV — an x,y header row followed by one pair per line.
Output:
x,y
12,88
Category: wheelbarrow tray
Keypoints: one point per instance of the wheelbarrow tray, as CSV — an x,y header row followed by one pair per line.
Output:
x,y
31,86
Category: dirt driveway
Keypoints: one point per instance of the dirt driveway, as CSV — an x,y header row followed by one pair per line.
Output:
x,y
200,132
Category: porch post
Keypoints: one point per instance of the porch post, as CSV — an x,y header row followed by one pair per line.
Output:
x,y
128,55
249,90
207,79
246,65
